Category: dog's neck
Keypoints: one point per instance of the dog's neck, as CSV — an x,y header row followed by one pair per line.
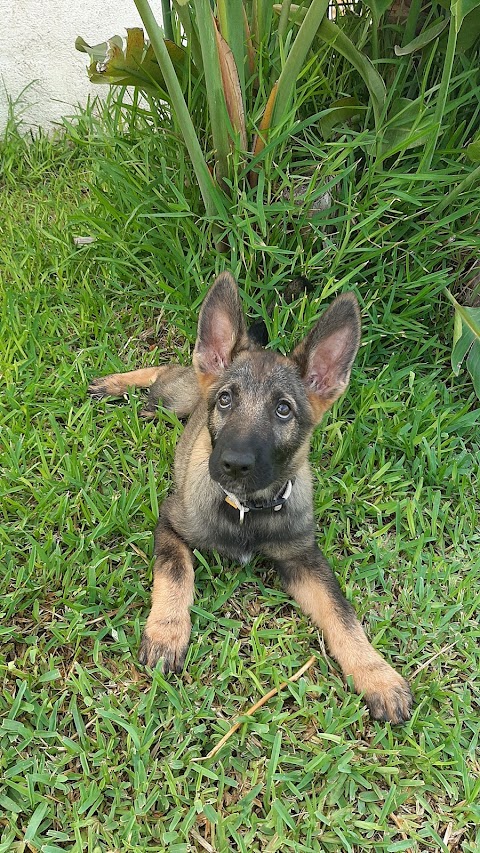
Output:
x,y
247,506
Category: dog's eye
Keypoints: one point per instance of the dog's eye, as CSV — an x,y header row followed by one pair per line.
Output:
x,y
283,410
224,400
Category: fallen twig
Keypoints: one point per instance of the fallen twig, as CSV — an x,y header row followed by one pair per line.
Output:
x,y
432,658
398,823
258,705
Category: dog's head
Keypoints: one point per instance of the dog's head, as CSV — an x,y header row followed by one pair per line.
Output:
x,y
262,406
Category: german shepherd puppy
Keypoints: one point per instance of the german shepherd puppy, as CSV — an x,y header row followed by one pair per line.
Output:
x,y
243,483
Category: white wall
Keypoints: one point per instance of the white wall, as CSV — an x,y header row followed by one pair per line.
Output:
x,y
37,42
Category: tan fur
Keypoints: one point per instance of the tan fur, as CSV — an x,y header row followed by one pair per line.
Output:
x,y
319,407
371,674
171,384
200,451
118,384
167,630
205,380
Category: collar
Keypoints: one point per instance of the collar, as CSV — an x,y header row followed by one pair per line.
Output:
x,y
276,504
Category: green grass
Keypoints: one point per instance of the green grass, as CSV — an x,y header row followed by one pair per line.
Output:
x,y
97,755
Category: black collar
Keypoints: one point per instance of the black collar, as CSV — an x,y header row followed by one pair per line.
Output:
x,y
276,504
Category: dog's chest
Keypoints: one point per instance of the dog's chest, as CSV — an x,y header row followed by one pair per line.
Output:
x,y
218,526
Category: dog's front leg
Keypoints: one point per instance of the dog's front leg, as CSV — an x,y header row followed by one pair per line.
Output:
x,y
310,580
168,626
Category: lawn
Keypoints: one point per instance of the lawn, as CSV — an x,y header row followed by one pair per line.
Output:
x,y
98,755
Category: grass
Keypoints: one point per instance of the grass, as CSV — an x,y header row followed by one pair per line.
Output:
x,y
97,755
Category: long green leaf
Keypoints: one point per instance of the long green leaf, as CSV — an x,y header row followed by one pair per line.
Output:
x,y
210,194
34,822
421,41
461,8
378,7
296,57
335,37
427,158
167,19
213,82
472,178
283,22
469,33
411,23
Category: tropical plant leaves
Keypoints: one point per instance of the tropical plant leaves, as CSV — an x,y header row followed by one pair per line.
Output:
x,y
309,26
97,52
231,86
467,22
461,8
132,65
330,33
223,59
466,341
469,32
335,37
423,39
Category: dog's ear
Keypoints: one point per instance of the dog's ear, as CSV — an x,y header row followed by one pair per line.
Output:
x,y
326,355
221,330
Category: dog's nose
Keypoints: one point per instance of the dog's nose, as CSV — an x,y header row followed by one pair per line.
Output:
x,y
237,464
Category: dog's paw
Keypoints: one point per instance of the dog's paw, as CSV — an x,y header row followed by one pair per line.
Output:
x,y
97,389
106,386
166,641
387,695
148,414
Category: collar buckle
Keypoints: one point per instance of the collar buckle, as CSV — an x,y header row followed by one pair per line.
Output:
x,y
232,500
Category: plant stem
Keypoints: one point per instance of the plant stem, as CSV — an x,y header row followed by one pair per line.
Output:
x,y
167,19
214,87
375,25
283,22
298,51
211,196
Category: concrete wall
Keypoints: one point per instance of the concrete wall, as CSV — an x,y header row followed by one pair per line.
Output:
x,y
37,42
